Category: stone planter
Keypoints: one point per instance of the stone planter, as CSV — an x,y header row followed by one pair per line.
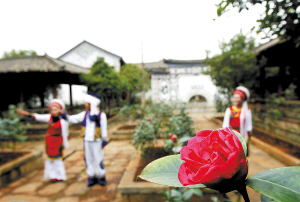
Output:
x,y
133,190
127,134
124,132
19,167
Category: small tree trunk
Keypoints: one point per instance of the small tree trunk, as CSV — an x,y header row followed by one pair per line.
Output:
x,y
144,89
107,106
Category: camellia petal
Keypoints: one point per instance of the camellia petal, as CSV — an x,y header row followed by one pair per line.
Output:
x,y
189,156
214,158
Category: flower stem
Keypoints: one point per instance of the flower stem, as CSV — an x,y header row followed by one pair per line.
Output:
x,y
243,191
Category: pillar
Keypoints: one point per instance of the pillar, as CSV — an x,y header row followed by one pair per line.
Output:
x,y
71,98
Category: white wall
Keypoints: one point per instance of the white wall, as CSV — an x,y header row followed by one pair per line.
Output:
x,y
78,92
84,55
191,85
186,86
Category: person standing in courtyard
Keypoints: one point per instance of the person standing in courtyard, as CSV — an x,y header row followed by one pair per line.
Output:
x,y
238,117
94,133
56,139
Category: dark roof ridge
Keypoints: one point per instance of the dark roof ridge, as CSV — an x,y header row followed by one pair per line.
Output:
x,y
182,61
54,59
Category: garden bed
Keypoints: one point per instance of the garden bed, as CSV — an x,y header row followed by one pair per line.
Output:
x,y
26,162
125,132
127,127
283,145
133,189
9,156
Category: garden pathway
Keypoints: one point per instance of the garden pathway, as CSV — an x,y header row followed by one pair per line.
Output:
x,y
33,188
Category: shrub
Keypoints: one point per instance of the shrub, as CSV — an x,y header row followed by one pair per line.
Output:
x,y
11,128
144,135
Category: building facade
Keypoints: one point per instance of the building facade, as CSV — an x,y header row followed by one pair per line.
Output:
x,y
84,55
182,81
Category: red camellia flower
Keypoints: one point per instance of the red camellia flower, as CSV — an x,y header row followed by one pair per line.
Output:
x,y
136,111
149,119
173,137
215,159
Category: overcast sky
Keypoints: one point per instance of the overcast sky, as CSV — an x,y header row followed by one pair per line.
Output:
x,y
168,28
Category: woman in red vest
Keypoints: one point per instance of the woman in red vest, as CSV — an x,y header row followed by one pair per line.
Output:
x,y
56,139
238,117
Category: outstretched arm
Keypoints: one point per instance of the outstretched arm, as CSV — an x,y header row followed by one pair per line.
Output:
x,y
38,117
22,112
77,118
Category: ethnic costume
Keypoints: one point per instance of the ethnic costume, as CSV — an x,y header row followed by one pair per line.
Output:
x,y
239,119
94,133
55,141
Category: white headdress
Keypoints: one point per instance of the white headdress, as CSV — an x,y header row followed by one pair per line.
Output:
x,y
58,101
94,102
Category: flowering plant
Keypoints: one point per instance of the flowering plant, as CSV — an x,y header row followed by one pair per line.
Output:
x,y
173,137
216,160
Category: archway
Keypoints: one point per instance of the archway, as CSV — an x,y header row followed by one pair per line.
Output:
x,y
197,99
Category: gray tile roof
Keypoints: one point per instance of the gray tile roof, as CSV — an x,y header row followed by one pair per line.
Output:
x,y
39,64
163,66
159,66
183,61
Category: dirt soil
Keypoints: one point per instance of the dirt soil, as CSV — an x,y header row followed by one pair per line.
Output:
x,y
8,156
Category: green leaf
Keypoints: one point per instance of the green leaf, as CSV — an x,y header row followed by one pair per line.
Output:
x,y
214,198
175,194
242,140
264,198
280,184
184,139
176,149
164,171
189,193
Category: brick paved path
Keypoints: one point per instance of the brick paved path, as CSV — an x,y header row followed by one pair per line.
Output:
x,y
33,188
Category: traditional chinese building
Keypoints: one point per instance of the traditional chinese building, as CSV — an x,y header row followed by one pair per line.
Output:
x,y
279,66
181,80
25,77
85,54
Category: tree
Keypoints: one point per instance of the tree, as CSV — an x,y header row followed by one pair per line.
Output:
x,y
235,66
104,81
132,74
16,54
281,18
